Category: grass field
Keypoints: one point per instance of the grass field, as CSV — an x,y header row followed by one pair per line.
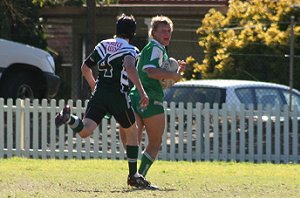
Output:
x,y
21,177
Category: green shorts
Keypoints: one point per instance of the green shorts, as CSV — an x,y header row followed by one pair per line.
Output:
x,y
154,107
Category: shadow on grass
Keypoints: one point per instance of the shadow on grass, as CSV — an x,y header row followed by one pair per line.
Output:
x,y
124,190
88,191
128,190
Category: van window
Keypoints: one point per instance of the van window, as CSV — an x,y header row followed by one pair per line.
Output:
x,y
268,96
246,96
264,96
295,99
195,94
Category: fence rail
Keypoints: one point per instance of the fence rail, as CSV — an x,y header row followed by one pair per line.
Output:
x,y
197,133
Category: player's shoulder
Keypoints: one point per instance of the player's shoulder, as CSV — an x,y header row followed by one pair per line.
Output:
x,y
155,43
104,42
136,50
130,48
153,46
109,40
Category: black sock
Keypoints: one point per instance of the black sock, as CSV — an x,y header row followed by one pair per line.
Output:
x,y
132,155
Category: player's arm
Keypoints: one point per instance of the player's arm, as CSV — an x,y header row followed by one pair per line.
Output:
x,y
129,64
160,74
88,75
86,70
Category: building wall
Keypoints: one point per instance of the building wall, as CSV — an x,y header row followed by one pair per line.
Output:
x,y
67,28
59,33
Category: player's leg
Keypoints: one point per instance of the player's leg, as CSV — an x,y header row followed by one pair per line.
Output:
x,y
84,127
129,128
91,120
140,127
89,126
155,126
122,134
129,131
135,101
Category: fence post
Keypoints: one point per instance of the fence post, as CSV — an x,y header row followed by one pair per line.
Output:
x,y
233,138
206,112
181,132
199,131
295,135
216,131
224,133
1,128
19,127
9,132
22,122
189,120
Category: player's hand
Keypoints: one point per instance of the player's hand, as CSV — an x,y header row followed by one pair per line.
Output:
x,y
182,65
176,77
144,101
93,87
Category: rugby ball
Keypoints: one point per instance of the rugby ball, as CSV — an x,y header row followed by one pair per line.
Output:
x,y
172,65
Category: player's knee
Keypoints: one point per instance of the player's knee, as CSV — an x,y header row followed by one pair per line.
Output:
x,y
156,142
84,134
154,145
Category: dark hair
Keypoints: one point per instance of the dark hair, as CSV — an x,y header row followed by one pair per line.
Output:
x,y
125,26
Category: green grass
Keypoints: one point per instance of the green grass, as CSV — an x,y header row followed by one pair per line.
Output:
x,y
21,177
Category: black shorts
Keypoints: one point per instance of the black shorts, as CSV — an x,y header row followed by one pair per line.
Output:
x,y
116,104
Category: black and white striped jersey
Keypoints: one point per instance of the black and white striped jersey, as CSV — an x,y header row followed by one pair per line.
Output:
x,y
108,55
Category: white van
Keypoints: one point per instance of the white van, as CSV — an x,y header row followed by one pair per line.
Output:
x,y
232,93
26,72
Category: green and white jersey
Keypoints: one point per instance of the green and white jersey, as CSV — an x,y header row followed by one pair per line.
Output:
x,y
152,55
108,55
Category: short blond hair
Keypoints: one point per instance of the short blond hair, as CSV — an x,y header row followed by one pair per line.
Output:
x,y
155,21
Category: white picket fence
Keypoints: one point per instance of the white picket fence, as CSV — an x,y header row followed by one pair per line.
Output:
x,y
27,129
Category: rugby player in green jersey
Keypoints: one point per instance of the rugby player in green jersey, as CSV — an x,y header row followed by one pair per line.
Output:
x,y
150,72
115,59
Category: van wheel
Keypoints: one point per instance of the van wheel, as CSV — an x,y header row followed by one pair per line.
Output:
x,y
20,85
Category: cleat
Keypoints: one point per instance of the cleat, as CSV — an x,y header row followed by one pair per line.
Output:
x,y
63,116
141,183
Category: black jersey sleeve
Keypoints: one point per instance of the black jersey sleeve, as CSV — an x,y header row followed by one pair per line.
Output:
x,y
92,59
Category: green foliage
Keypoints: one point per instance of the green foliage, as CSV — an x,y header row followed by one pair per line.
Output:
x,y
52,3
20,22
250,41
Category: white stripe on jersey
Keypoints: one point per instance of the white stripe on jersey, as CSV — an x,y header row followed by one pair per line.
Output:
x,y
157,53
114,47
124,81
101,50
121,53
148,66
